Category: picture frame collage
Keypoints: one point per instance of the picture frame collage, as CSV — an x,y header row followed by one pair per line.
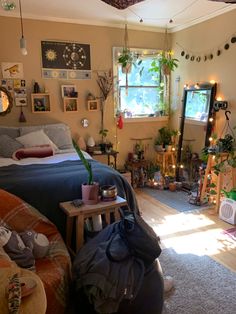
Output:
x,y
12,73
70,98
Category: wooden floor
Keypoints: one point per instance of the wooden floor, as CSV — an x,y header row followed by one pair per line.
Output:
x,y
196,232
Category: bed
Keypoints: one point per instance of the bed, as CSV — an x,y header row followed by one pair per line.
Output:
x,y
45,182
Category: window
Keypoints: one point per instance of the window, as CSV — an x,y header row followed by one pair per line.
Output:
x,y
140,93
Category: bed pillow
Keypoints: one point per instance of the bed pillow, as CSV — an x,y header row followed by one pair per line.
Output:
x,y
8,146
36,152
36,138
59,133
13,132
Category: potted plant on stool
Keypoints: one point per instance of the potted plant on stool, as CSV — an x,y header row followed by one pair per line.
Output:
x,y
90,190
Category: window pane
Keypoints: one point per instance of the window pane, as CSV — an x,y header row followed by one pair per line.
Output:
x,y
140,101
140,75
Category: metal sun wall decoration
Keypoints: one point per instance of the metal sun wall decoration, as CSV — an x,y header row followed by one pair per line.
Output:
x,y
65,60
121,4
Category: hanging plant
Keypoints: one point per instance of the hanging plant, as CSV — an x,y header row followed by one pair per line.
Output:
x,y
167,62
126,59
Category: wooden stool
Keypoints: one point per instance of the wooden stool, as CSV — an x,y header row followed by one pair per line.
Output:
x,y
86,211
165,159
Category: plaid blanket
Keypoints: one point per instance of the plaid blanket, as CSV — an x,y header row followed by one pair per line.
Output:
x,y
54,269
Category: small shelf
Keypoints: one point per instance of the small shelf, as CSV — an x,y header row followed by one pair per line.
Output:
x,y
93,105
41,102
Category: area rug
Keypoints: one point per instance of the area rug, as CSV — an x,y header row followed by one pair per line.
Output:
x,y
177,199
231,233
202,286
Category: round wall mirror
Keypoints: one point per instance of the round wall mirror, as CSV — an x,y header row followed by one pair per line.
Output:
x,y
6,101
85,123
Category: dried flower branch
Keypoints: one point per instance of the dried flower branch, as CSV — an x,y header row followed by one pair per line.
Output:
x,y
105,83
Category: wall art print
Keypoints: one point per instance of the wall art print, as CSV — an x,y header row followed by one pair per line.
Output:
x,y
12,70
65,60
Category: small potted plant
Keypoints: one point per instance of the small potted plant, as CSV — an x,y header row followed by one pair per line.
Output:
x,y
158,144
165,136
103,144
90,190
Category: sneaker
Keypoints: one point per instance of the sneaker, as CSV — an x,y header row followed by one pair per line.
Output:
x,y
168,283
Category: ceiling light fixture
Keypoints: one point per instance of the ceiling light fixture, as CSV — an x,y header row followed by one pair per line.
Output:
x,y
22,40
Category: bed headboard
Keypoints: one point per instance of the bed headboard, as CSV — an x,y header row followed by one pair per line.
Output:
x,y
58,133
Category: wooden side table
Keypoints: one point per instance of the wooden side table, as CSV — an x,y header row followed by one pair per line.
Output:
x,y
86,211
109,155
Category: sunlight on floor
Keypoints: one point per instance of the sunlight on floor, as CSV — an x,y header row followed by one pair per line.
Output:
x,y
192,233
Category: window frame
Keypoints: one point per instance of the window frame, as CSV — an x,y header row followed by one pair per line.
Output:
x,y
117,90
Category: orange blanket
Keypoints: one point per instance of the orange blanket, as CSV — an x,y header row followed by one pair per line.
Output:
x,y
54,269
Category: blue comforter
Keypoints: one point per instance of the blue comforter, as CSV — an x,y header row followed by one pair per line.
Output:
x,y
45,186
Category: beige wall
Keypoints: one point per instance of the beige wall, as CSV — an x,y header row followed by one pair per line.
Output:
x,y
205,38
101,39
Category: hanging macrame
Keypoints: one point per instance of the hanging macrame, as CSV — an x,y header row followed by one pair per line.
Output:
x,y
126,58
121,4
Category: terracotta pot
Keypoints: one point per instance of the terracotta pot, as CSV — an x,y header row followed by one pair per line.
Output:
x,y
172,187
127,69
90,193
165,69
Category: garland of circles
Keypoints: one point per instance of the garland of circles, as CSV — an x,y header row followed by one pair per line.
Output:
x,y
204,57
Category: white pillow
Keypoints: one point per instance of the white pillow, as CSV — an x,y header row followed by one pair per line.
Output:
x,y
35,139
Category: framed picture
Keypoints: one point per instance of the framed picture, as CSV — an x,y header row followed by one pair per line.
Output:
x,y
40,103
69,91
93,105
12,70
70,104
20,101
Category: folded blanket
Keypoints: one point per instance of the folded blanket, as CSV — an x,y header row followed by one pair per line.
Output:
x,y
36,151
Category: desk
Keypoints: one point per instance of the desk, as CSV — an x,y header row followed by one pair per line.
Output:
x,y
85,211
112,153
165,160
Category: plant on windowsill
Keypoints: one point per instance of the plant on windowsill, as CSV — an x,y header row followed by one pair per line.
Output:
x,y
90,189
